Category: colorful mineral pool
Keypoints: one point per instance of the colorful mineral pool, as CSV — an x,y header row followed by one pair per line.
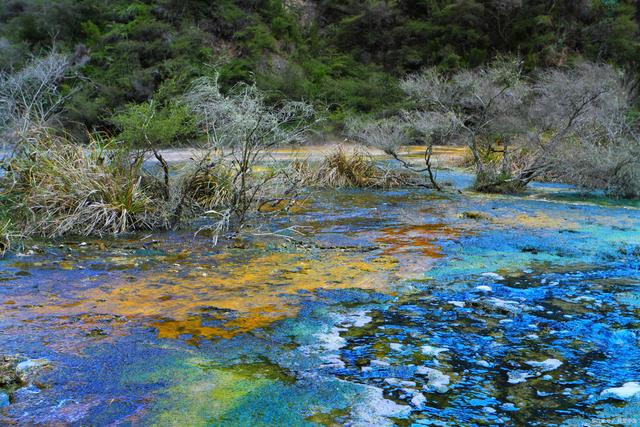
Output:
x,y
401,308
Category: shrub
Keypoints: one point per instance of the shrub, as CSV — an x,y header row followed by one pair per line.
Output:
x,y
145,124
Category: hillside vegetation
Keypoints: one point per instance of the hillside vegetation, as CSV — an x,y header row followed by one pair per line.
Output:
x,y
134,57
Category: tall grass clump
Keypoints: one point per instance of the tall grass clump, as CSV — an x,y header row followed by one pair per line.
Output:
x,y
56,187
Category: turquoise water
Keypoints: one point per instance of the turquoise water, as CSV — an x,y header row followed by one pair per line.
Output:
x,y
398,308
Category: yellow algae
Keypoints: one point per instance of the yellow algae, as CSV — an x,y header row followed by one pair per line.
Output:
x,y
536,220
243,292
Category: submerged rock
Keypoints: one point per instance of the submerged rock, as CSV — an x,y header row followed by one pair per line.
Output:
x,y
4,400
484,288
626,392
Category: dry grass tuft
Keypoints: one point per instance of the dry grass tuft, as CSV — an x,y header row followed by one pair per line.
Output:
x,y
57,188
340,169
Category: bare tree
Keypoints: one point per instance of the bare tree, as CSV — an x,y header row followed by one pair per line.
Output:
x,y
391,135
30,98
241,130
518,131
479,106
583,132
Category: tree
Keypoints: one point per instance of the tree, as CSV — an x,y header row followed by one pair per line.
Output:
x,y
30,98
479,106
240,130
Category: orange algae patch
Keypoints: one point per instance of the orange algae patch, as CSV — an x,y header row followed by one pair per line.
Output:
x,y
227,296
416,238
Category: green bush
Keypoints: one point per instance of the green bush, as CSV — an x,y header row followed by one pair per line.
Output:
x,y
144,124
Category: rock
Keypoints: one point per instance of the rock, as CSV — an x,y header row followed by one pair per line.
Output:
x,y
459,304
509,407
505,306
483,363
474,215
4,400
399,383
489,410
494,276
8,374
418,400
30,367
432,351
545,366
436,380
395,346
516,377
484,288
626,392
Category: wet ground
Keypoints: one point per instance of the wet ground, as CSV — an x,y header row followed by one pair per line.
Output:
x,y
402,307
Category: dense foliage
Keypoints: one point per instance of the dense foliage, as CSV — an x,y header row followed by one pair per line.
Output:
x,y
134,57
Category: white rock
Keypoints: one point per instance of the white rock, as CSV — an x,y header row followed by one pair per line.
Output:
x,y
626,392
489,410
515,377
483,363
418,400
484,288
547,365
399,383
371,408
460,304
495,276
510,306
29,365
436,380
432,351
395,346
